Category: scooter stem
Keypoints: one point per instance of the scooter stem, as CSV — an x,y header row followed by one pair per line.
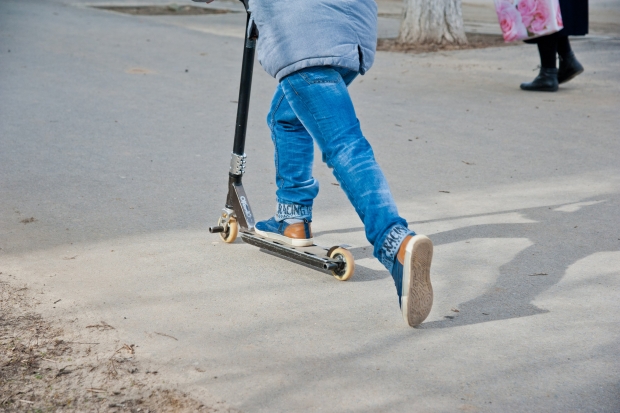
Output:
x,y
237,200
245,86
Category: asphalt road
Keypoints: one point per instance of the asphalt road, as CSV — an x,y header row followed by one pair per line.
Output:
x,y
115,134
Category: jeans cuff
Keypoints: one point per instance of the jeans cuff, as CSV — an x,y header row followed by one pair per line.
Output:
x,y
391,245
290,210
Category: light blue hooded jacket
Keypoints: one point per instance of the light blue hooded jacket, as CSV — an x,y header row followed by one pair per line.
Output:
x,y
295,34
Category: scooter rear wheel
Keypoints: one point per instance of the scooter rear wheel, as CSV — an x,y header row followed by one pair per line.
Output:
x,y
232,230
349,264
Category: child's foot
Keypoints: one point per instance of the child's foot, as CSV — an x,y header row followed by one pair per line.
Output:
x,y
413,266
295,232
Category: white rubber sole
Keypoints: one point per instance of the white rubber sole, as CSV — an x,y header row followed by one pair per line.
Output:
x,y
417,293
290,241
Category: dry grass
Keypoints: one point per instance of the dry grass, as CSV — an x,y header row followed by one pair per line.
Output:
x,y
42,369
475,41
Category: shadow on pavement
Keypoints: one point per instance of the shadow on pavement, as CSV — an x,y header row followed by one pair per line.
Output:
x,y
561,236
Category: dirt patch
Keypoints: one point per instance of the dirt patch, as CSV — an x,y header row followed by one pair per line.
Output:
x,y
167,10
45,369
475,41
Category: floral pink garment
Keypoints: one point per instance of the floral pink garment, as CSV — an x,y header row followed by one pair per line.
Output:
x,y
524,19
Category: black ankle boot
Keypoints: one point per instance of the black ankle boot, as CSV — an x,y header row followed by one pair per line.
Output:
x,y
569,68
546,81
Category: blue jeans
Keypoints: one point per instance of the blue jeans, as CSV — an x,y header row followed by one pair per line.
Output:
x,y
313,104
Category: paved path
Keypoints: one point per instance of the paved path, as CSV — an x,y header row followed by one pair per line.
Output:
x,y
115,133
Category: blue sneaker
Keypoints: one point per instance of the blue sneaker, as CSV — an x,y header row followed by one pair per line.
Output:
x,y
412,276
296,233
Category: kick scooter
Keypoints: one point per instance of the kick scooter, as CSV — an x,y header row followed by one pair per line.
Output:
x,y
237,217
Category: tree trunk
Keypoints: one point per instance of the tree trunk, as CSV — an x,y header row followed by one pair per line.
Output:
x,y
432,22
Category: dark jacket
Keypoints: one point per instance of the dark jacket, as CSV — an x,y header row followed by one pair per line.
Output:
x,y
575,17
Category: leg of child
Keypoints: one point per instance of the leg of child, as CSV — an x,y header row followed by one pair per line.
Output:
x,y
319,98
293,156
296,188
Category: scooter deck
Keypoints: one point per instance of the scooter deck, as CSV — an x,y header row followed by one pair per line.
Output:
x,y
314,255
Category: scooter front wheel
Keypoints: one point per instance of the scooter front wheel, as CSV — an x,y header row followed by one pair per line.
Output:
x,y
347,271
232,230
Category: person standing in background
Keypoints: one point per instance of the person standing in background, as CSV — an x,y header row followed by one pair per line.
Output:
x,y
575,19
